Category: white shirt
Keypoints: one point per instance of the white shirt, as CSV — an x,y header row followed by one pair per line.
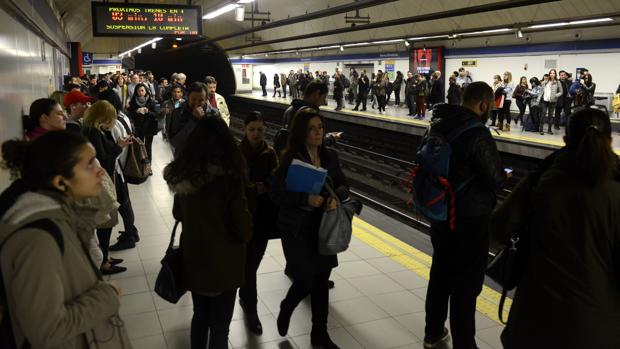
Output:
x,y
119,132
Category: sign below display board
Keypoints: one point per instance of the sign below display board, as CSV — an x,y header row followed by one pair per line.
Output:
x,y
124,19
473,63
389,69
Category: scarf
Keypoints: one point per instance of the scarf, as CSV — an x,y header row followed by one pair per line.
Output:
x,y
212,101
141,101
250,153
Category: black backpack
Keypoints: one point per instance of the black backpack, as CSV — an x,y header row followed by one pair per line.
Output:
x,y
7,337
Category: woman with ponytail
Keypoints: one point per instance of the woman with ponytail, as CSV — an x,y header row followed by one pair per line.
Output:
x,y
45,115
55,295
568,295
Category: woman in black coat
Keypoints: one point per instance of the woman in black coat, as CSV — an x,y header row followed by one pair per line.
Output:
x,y
299,220
454,92
276,85
262,162
144,116
99,119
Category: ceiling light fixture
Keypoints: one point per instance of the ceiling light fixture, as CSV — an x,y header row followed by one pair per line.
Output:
x,y
154,45
564,24
240,13
140,50
244,1
357,44
220,11
179,39
128,52
174,45
341,48
519,33
407,43
500,30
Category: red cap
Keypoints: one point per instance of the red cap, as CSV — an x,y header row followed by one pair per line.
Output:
x,y
76,97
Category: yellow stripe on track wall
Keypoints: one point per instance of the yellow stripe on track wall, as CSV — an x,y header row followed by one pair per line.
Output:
x,y
420,263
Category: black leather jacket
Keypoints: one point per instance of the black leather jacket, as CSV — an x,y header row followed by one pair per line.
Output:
x,y
474,153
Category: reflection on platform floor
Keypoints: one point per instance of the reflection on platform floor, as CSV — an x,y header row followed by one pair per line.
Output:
x,y
378,301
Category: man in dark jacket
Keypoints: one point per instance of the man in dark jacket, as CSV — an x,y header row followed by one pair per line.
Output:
x,y
411,85
263,83
563,100
460,255
437,89
363,83
185,118
314,97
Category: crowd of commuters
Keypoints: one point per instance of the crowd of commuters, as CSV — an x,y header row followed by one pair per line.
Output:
x,y
58,215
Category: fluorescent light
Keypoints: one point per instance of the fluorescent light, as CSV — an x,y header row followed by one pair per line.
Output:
x,y
240,13
407,43
179,39
429,37
140,50
501,30
550,25
341,48
519,34
587,21
139,46
563,24
244,1
357,44
220,11
387,41
154,45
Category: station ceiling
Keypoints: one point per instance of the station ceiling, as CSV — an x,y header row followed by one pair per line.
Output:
x,y
76,16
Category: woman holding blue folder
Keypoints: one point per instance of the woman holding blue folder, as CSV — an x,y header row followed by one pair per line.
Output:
x,y
300,217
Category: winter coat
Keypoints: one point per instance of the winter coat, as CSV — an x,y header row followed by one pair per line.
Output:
x,y
588,94
298,223
455,93
338,88
296,104
222,107
145,124
276,81
397,84
363,83
569,294
263,80
533,95
183,122
57,299
474,155
381,88
411,87
421,89
262,163
107,149
556,91
216,227
437,92
519,92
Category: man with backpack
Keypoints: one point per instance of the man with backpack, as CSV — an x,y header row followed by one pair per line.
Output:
x,y
464,148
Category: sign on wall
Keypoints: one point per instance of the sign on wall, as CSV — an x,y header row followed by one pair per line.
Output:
x,y
87,58
389,68
471,63
426,60
124,19
307,67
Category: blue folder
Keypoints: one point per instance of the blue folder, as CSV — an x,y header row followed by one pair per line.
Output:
x,y
305,178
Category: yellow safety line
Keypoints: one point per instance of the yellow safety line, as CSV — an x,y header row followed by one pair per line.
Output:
x,y
420,263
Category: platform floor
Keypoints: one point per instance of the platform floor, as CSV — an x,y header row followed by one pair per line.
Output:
x,y
399,114
378,301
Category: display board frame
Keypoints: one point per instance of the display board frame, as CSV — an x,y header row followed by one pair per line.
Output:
x,y
105,5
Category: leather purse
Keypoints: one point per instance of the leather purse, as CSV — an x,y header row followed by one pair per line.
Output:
x,y
170,284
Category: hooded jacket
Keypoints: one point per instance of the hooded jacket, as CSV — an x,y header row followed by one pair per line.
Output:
x,y
474,155
56,299
296,104
569,292
183,122
216,227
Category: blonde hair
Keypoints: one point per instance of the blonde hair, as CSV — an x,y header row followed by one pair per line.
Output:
x,y
509,74
59,97
102,113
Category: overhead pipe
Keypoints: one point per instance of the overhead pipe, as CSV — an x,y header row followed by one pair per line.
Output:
x,y
297,19
503,5
516,26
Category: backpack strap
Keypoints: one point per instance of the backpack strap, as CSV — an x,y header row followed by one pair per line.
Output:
x,y
46,225
125,125
468,126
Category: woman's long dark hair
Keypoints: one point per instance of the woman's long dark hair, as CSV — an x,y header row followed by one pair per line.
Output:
x,y
37,109
209,144
299,131
37,163
589,133
135,93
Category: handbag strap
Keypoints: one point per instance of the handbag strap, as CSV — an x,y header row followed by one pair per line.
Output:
x,y
174,232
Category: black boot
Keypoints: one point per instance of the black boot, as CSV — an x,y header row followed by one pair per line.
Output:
x,y
251,319
321,339
123,243
284,318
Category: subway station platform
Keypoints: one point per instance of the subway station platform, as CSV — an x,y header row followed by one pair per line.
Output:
x,y
378,301
529,144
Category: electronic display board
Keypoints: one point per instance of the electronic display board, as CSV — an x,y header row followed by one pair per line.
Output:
x,y
125,19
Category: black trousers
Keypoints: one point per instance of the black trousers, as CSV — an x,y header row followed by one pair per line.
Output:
x,y
457,274
521,105
125,209
361,98
264,87
397,96
254,255
148,143
410,100
103,235
382,102
315,286
504,113
211,320
284,90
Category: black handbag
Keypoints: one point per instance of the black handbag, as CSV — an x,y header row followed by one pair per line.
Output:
x,y
170,284
505,269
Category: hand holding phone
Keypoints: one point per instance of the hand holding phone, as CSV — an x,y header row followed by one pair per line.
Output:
x,y
508,170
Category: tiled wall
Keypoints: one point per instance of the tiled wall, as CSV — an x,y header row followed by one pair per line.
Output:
x,y
29,69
